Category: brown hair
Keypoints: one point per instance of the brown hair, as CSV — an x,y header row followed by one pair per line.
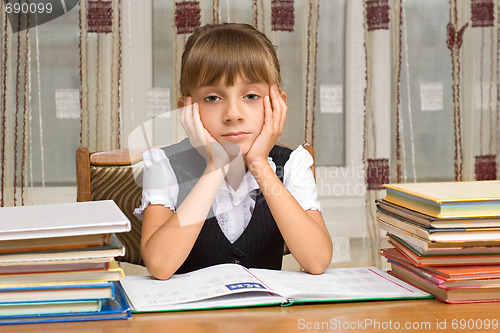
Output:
x,y
216,52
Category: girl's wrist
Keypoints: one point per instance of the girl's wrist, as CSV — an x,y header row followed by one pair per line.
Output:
x,y
217,174
259,167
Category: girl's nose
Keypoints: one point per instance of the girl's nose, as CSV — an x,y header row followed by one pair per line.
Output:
x,y
232,112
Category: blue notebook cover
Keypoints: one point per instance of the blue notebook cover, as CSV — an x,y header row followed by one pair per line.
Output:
x,y
50,288
115,308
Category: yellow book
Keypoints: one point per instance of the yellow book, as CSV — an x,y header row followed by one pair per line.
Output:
x,y
113,273
447,199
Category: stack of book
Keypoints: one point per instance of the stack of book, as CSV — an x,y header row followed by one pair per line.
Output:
x,y
57,262
446,237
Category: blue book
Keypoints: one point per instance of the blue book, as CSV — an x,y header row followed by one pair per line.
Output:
x,y
114,308
41,308
56,293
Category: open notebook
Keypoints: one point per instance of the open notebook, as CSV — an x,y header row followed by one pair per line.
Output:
x,y
232,285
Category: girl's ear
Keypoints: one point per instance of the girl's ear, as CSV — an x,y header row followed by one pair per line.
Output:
x,y
181,102
283,95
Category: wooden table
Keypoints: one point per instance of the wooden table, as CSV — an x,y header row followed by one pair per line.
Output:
x,y
426,315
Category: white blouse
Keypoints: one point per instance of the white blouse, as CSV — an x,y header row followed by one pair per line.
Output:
x,y
232,208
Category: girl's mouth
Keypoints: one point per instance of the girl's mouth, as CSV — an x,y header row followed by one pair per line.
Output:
x,y
236,135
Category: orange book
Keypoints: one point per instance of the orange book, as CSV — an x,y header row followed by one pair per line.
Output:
x,y
463,273
449,260
449,273
454,294
53,243
447,283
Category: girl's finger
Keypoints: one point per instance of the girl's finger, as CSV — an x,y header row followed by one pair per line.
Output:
x,y
268,112
284,109
188,119
277,107
181,115
184,110
197,124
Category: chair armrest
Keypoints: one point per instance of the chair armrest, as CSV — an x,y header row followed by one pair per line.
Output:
x,y
118,157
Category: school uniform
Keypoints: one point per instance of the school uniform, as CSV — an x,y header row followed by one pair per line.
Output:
x,y
239,227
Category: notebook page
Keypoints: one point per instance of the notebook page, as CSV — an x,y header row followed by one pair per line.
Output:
x,y
337,283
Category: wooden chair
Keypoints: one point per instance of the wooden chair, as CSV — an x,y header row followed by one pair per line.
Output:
x,y
117,175
112,175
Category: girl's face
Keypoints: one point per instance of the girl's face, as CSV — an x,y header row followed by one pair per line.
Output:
x,y
232,114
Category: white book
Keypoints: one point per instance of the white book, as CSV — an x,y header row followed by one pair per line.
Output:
x,y
232,285
63,219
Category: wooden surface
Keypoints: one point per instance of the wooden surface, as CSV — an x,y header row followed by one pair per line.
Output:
x,y
422,315
83,174
118,157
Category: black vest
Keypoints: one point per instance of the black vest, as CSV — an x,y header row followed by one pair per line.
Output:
x,y
260,245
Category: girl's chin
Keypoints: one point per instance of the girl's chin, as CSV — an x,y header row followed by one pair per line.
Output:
x,y
237,148
244,149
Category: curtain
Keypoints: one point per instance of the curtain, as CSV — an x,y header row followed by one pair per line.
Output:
x,y
445,90
100,75
39,103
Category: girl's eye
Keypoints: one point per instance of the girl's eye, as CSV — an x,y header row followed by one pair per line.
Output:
x,y
212,98
252,97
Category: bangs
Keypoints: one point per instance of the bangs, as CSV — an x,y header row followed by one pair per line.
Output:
x,y
224,55
220,70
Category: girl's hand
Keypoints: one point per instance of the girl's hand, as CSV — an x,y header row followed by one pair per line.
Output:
x,y
275,109
212,151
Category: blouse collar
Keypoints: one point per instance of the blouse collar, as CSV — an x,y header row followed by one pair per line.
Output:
x,y
247,185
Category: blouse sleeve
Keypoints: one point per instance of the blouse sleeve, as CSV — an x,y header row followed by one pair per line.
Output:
x,y
298,178
160,185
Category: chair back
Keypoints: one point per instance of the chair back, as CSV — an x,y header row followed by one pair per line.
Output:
x,y
115,175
